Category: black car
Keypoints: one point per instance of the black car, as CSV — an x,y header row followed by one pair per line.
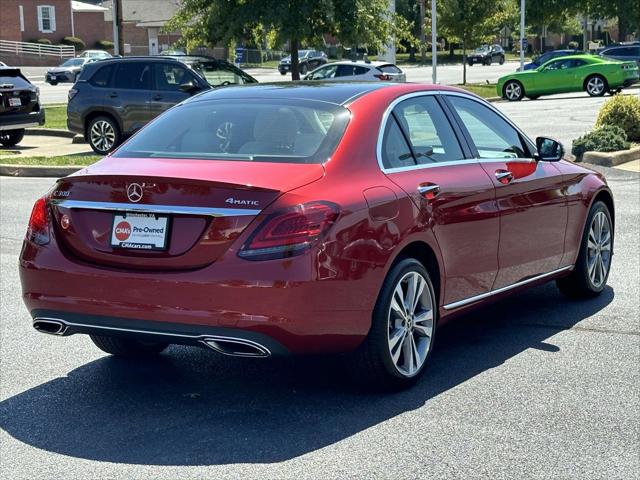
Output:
x,y
625,53
486,55
115,97
67,71
19,106
308,60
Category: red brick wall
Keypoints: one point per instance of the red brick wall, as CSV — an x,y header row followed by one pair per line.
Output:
x,y
10,21
63,20
90,27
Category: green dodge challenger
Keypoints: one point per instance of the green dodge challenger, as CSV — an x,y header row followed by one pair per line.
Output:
x,y
595,75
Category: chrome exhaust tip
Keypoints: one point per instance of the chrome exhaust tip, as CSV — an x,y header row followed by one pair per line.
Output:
x,y
50,326
236,347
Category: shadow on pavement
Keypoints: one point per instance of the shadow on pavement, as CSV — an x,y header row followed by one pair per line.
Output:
x,y
190,407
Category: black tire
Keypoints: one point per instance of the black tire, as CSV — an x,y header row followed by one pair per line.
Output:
x,y
470,64
592,91
126,347
10,138
501,61
112,140
518,92
372,364
488,62
283,73
579,283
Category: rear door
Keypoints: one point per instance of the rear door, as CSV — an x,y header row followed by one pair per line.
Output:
x,y
531,200
422,154
130,94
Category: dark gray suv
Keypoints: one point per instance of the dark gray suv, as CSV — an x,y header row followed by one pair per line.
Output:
x,y
115,97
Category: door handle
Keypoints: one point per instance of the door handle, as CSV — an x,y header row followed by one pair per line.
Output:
x,y
157,97
113,94
428,190
504,176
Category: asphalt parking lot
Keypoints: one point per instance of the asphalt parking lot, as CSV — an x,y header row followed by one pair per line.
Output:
x,y
536,386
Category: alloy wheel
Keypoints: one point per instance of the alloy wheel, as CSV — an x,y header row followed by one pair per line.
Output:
x,y
599,249
410,323
513,91
595,86
103,136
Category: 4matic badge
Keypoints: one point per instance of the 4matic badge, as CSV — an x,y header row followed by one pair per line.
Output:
x,y
233,201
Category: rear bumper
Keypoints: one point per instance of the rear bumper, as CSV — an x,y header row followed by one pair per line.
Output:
x,y
22,120
284,303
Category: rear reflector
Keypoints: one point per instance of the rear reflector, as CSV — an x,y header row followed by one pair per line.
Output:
x,y
38,229
290,232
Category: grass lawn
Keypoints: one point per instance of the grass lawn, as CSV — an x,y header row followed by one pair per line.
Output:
x,y
55,116
80,160
481,89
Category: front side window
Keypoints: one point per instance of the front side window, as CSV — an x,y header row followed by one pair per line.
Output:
x,y
491,134
285,131
46,18
133,76
325,72
170,77
219,75
428,130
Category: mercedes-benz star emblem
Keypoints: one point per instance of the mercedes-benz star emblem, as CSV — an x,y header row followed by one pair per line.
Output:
x,y
134,192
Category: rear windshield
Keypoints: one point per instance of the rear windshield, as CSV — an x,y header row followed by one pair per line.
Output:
x,y
259,130
73,62
12,79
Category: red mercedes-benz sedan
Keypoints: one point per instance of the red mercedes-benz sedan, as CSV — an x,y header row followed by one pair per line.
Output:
x,y
306,218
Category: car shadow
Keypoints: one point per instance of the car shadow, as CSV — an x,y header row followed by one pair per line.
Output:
x,y
191,407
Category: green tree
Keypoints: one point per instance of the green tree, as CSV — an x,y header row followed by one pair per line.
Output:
x,y
300,22
627,13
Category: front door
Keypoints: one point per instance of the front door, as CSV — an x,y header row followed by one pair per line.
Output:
x,y
167,78
533,212
422,154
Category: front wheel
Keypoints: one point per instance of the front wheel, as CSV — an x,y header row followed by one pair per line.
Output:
x,y
126,347
501,60
488,62
513,91
403,327
10,138
590,274
596,85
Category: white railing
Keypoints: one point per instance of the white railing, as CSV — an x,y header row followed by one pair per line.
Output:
x,y
25,48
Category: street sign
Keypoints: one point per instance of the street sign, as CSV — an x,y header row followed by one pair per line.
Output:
x,y
239,55
525,44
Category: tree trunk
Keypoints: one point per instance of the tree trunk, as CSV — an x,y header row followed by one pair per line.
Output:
x,y
423,53
295,63
622,29
451,50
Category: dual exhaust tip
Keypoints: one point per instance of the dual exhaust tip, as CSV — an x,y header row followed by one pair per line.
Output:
x,y
235,347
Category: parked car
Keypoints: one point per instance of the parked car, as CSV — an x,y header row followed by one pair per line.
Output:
x,y
357,72
308,60
628,53
545,57
115,97
354,218
595,75
67,71
2,64
99,54
486,55
19,106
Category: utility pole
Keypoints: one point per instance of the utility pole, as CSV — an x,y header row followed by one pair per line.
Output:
x,y
119,23
116,42
522,9
434,44
423,53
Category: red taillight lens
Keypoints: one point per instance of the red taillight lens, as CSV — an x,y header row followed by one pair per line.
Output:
x,y
290,232
38,229
382,77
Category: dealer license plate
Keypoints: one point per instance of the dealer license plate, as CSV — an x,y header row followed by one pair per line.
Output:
x,y
140,231
15,102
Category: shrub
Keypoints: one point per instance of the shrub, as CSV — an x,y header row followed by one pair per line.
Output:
x,y
42,41
74,42
607,138
623,111
105,45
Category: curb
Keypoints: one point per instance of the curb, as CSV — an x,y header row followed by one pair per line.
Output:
x,y
7,170
611,159
50,132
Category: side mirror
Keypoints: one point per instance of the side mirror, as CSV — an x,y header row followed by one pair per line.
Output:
x,y
549,150
189,87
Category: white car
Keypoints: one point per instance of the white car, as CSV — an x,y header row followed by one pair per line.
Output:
x,y
358,71
99,54
2,64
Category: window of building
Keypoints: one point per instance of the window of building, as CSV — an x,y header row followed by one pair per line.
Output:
x,y
46,18
21,11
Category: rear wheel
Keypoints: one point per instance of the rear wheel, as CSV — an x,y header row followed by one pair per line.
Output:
x,y
596,85
125,347
501,61
103,135
9,138
513,91
402,330
488,61
590,274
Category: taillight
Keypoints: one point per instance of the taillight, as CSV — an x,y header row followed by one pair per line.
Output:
x,y
290,232
383,77
72,93
38,229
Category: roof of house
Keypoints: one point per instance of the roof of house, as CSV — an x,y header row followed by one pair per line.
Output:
x,y
86,7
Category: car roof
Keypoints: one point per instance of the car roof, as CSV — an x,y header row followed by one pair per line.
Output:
x,y
374,63
339,93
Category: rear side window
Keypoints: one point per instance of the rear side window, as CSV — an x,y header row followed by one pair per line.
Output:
x,y
389,69
286,131
133,75
350,70
395,149
491,134
102,77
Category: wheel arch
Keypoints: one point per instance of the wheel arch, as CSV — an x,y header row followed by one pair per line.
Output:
x,y
604,195
595,74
